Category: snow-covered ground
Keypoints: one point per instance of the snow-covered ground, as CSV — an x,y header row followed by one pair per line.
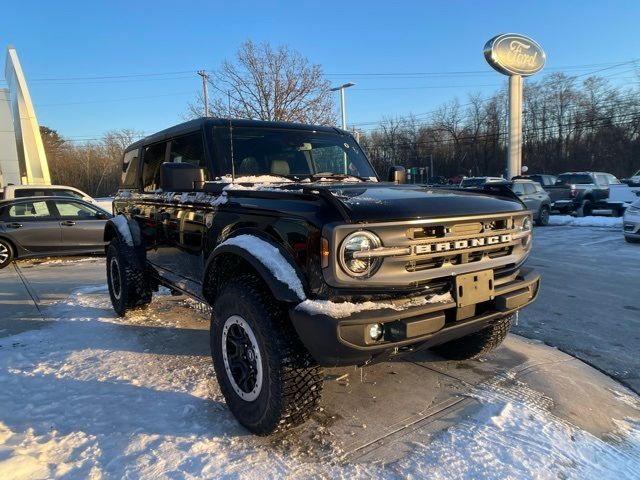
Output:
x,y
591,221
89,395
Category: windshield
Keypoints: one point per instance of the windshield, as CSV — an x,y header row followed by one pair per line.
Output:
x,y
576,178
295,154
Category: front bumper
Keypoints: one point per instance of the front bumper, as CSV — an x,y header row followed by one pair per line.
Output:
x,y
631,226
344,341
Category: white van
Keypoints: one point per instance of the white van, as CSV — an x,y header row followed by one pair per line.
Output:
x,y
19,191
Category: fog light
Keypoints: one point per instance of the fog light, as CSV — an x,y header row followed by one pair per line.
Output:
x,y
376,331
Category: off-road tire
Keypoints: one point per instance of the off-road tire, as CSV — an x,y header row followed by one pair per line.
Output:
x,y
626,237
6,253
477,344
129,287
586,209
543,216
291,381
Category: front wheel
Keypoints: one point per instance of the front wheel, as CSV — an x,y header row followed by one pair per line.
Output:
x,y
269,380
128,284
477,344
543,216
6,253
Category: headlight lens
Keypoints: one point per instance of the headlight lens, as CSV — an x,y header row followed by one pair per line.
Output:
x,y
526,224
632,209
359,242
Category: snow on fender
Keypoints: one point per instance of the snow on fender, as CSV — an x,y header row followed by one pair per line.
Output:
x,y
271,258
122,224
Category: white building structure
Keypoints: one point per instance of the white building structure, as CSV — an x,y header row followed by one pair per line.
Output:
x,y
22,157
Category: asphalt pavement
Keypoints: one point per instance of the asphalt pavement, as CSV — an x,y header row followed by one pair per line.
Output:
x,y
589,302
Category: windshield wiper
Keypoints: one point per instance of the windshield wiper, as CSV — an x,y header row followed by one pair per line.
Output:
x,y
337,176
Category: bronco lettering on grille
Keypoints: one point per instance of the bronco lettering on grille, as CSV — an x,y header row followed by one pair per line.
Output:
x,y
461,244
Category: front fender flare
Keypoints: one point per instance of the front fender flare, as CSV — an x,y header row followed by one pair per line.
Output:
x,y
274,265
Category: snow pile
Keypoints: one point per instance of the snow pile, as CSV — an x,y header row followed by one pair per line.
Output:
x,y
271,258
94,396
568,220
121,223
256,179
513,435
346,309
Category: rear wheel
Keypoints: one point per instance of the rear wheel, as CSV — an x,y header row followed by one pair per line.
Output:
x,y
477,344
269,380
6,253
128,284
631,239
543,216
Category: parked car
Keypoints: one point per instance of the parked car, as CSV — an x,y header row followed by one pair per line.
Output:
x,y
535,198
20,191
631,223
592,191
43,226
479,181
308,260
562,194
634,180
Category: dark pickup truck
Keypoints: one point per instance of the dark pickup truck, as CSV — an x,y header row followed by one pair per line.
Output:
x,y
562,193
592,191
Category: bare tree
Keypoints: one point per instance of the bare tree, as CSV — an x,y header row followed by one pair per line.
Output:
x,y
264,83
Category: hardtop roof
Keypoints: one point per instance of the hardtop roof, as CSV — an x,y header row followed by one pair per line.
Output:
x,y
199,123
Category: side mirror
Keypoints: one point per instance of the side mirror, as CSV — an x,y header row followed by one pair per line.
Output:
x,y
102,215
397,174
180,177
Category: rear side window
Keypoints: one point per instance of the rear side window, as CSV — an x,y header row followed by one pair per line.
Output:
x,y
31,192
29,211
188,149
580,179
153,157
130,167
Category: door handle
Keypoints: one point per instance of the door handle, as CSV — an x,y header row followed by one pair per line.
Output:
x,y
14,225
68,223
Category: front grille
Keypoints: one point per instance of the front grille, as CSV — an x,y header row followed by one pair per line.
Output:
x,y
430,238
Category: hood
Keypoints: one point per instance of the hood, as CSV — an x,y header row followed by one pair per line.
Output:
x,y
381,202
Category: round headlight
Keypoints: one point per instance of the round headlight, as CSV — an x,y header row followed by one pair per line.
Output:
x,y
526,224
353,254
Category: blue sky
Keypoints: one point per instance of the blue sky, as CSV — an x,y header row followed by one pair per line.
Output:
x,y
59,42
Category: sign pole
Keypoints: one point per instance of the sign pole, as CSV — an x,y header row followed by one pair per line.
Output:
x,y
514,146
517,56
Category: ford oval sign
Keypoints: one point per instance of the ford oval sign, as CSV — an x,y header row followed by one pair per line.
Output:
x,y
514,54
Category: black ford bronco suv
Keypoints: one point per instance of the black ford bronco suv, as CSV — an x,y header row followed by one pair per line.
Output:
x,y
308,260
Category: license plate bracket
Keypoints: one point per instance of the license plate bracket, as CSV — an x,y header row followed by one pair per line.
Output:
x,y
473,288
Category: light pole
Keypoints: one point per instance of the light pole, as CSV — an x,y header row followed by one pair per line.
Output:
x,y
341,88
205,77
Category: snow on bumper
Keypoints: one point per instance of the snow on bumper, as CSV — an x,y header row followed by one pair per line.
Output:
x,y
343,339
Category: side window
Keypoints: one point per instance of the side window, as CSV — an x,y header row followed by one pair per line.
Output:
x,y
66,193
130,166
552,180
602,180
29,211
518,188
188,149
153,157
75,210
529,188
31,192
